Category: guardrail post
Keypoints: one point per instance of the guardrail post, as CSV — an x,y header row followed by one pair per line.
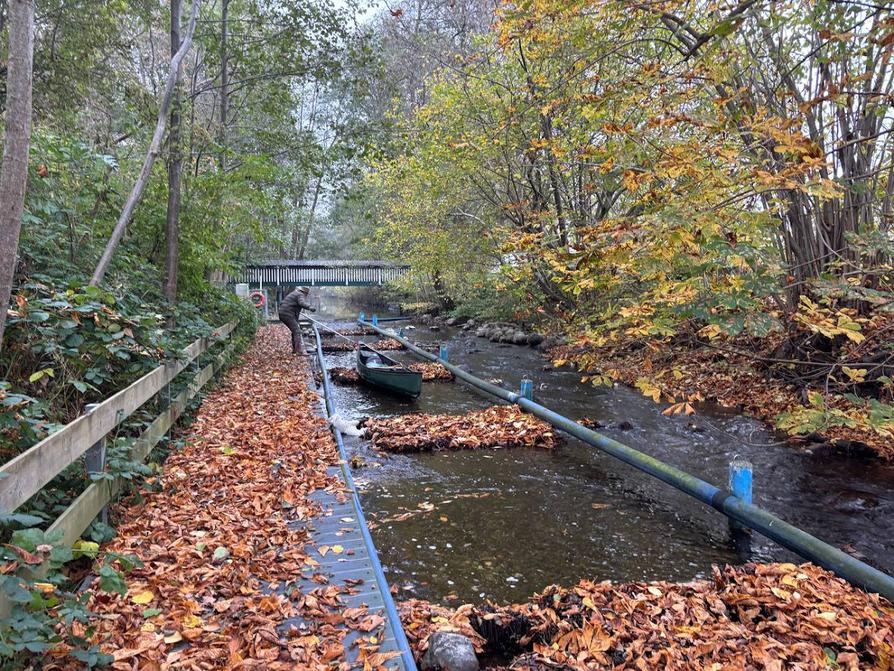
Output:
x,y
95,460
526,389
741,479
443,353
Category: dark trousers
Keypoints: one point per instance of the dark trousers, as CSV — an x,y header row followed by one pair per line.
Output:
x,y
291,320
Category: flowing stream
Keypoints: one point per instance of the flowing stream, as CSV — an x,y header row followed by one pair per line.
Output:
x,y
503,524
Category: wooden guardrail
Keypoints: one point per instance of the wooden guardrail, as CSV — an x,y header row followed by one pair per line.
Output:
x,y
29,472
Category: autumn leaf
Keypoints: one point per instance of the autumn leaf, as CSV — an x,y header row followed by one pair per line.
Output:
x,y
142,597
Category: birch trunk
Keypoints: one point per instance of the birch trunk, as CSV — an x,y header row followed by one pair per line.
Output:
x,y
139,186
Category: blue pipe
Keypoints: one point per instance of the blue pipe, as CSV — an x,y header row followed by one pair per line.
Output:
x,y
390,609
751,516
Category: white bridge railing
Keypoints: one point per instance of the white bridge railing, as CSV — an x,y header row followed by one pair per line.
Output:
x,y
321,273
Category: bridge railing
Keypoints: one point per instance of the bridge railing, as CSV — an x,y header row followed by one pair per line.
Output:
x,y
321,273
25,475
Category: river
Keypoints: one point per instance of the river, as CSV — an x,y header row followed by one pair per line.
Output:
x,y
503,524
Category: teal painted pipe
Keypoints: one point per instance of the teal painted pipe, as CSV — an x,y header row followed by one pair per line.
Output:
x,y
749,515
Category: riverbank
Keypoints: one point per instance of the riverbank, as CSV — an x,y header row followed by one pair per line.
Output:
x,y
820,401
765,616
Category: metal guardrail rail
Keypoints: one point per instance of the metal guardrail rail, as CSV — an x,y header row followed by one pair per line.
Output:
x,y
392,616
749,515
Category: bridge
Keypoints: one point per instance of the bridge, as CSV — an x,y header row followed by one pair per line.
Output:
x,y
320,273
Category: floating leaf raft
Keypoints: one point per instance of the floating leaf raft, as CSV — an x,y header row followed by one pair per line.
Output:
x,y
431,372
495,427
764,616
344,346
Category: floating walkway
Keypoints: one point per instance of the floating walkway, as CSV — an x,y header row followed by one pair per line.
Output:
x,y
342,525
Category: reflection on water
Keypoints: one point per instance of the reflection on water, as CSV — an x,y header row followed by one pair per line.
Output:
x,y
502,524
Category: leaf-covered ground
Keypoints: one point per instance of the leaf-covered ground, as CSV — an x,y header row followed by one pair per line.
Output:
x,y
500,426
221,541
765,616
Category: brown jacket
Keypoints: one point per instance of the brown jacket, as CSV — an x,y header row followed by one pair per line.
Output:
x,y
294,303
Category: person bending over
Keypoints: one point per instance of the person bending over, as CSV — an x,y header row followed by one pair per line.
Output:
x,y
290,311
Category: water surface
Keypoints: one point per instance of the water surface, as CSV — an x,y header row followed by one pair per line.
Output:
x,y
502,524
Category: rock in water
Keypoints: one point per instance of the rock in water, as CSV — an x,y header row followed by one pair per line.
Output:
x,y
449,651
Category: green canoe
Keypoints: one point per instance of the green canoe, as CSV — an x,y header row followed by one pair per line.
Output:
x,y
386,373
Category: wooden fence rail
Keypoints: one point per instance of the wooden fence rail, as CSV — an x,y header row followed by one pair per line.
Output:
x,y
84,509
25,475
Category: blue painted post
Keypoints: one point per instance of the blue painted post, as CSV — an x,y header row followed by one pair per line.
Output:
x,y
443,353
375,320
526,389
741,479
361,317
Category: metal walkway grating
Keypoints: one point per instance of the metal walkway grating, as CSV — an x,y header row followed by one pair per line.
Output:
x,y
356,567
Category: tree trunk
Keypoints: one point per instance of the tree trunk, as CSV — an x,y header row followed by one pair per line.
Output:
x,y
14,169
224,84
175,166
154,149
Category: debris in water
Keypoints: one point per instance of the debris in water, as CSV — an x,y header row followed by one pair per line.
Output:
x,y
499,426
347,427
433,372
344,376
345,346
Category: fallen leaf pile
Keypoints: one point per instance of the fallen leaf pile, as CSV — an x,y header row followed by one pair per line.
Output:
x,y
495,427
431,372
356,331
345,346
223,545
345,376
338,346
765,616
